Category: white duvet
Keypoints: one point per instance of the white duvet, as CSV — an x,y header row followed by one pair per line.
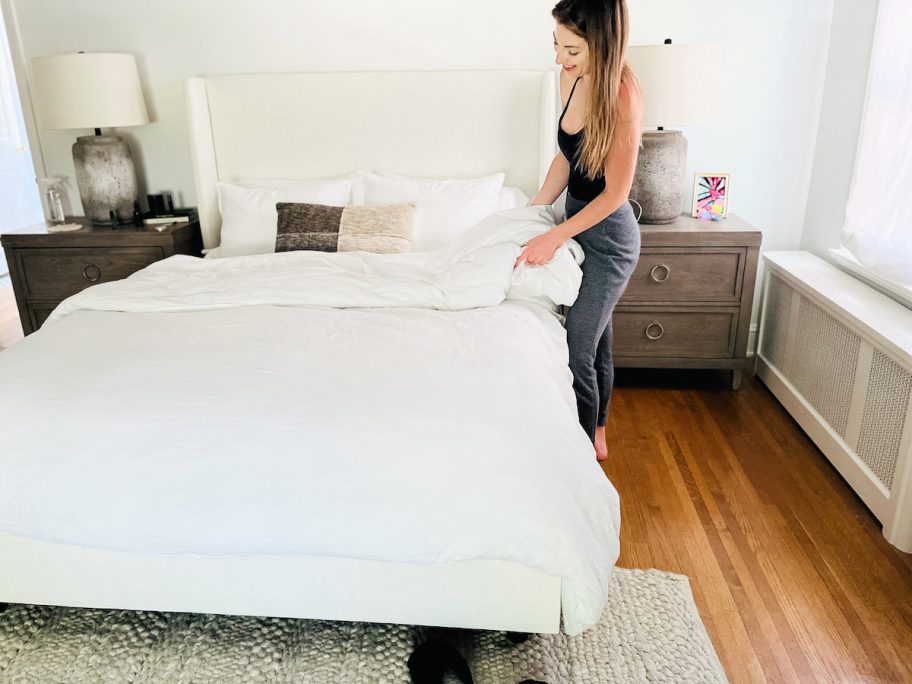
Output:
x,y
407,408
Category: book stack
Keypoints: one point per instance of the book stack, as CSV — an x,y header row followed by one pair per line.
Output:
x,y
178,216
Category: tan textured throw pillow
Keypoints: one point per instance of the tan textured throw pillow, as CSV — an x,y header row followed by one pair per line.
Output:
x,y
384,230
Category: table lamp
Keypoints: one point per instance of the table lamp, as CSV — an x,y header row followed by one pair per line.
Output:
x,y
679,89
95,90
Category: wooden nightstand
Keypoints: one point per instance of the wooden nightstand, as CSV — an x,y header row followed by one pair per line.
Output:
x,y
688,303
46,268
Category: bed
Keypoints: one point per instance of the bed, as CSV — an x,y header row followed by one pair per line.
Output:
x,y
217,438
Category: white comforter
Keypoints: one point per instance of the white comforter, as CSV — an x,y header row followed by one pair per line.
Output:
x,y
316,404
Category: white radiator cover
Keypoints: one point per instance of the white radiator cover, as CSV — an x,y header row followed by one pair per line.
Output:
x,y
838,355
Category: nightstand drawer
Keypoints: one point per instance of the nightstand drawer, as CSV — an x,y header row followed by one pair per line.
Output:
x,y
38,313
684,332
681,274
59,273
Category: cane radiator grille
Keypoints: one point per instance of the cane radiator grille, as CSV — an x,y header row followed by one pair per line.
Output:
x,y
886,402
823,368
775,327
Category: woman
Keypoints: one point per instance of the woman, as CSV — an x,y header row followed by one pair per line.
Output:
x,y
598,136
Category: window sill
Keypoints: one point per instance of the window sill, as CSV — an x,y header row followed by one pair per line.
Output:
x,y
845,260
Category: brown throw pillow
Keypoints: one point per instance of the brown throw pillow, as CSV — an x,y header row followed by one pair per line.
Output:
x,y
318,227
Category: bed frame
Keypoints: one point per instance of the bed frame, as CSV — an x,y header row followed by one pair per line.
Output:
x,y
317,125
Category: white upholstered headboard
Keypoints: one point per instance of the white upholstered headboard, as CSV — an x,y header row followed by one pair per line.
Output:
x,y
434,124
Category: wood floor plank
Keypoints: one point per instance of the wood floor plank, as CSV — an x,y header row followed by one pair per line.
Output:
x,y
838,617
838,557
723,592
746,526
750,594
790,571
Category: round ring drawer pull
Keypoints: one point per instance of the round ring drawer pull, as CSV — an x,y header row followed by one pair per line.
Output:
x,y
655,325
655,277
92,273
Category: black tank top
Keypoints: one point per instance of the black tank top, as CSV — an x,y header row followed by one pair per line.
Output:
x,y
579,187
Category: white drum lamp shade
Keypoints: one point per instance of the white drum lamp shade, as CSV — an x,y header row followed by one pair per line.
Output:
x,y
98,90
94,91
679,89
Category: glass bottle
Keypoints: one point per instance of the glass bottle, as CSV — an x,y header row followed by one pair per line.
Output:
x,y
50,191
55,206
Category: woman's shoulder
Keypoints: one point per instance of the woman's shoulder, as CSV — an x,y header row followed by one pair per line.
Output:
x,y
630,88
630,99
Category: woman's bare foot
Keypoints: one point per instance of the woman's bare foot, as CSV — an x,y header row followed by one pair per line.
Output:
x,y
601,445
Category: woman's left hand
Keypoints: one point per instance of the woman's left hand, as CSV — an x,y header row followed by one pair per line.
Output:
x,y
540,250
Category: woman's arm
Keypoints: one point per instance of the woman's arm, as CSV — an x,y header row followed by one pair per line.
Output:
x,y
619,170
555,181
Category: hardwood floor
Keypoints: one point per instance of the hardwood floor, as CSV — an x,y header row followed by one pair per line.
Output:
x,y
10,327
790,571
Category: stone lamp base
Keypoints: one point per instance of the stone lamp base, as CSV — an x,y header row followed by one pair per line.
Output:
x,y
660,175
106,177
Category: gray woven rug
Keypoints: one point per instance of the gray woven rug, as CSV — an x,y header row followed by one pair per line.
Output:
x,y
650,632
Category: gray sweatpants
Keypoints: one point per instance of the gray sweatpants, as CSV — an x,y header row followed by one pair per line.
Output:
x,y
612,248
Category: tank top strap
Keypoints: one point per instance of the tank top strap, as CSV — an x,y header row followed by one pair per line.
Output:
x,y
569,97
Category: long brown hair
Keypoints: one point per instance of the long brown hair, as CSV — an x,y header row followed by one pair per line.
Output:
x,y
604,25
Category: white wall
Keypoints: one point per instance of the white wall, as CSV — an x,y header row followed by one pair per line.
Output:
x,y
772,76
840,123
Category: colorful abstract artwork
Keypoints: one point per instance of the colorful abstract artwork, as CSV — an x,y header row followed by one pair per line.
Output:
x,y
710,196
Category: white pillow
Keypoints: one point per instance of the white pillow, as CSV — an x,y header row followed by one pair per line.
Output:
x,y
444,208
511,198
249,214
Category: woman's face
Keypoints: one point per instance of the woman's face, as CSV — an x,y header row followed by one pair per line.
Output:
x,y
571,51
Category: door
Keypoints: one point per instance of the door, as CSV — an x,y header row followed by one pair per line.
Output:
x,y
20,204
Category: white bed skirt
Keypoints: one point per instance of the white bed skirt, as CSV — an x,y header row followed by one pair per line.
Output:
x,y
478,594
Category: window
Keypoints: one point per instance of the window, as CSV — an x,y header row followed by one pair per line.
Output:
x,y
878,223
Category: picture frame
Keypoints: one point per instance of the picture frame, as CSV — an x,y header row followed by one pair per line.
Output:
x,y
711,195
